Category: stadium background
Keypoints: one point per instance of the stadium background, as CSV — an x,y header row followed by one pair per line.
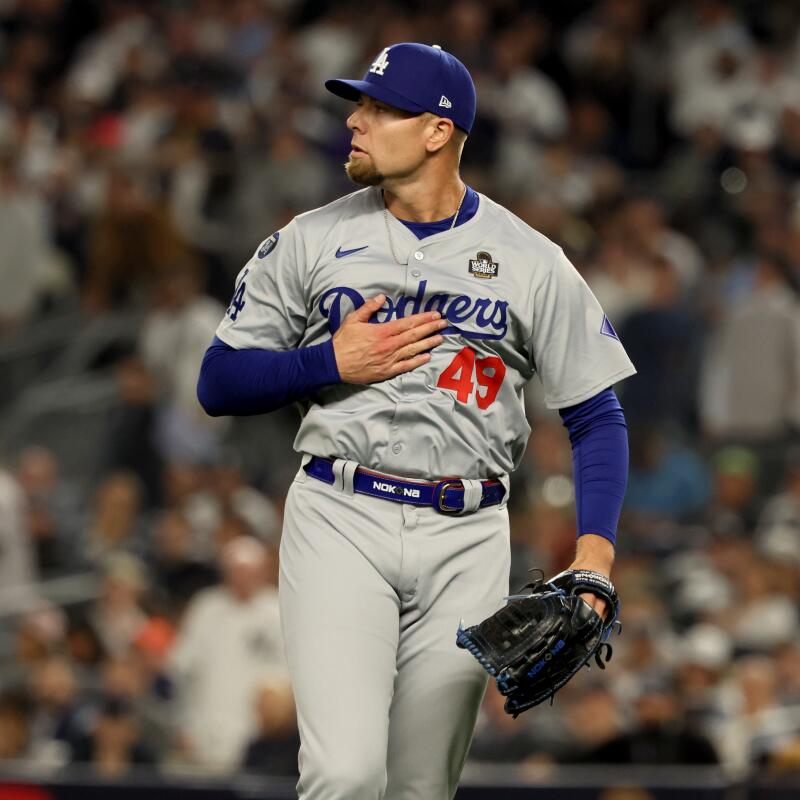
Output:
x,y
146,148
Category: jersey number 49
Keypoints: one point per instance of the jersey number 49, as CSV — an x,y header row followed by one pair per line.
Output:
x,y
488,372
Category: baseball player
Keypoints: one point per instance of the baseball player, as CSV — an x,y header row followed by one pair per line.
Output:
x,y
406,318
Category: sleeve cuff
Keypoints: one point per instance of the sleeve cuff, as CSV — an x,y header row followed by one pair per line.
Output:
x,y
320,360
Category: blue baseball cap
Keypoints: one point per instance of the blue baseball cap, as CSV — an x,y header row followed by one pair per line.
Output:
x,y
416,77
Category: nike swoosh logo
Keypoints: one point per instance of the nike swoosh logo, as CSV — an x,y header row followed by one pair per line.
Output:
x,y
342,253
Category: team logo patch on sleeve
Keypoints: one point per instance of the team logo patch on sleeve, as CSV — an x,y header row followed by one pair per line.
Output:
x,y
268,245
607,329
483,267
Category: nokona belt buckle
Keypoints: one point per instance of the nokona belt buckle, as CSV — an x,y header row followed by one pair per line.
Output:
x,y
440,504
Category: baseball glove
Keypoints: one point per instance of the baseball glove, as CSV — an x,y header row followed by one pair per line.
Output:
x,y
538,641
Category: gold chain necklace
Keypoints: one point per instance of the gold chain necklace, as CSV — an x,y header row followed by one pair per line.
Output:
x,y
389,230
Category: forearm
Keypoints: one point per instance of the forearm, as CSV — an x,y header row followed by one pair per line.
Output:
x,y
600,473
244,382
599,438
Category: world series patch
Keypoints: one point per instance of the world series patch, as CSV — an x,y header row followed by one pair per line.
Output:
x,y
482,266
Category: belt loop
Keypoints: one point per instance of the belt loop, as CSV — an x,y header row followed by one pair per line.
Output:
x,y
504,479
343,471
302,475
473,493
348,476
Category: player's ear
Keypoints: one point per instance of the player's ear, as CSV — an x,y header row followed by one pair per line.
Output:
x,y
440,132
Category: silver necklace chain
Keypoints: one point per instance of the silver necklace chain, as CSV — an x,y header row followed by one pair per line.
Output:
x,y
389,230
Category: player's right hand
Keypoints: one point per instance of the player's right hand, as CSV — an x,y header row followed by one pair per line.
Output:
x,y
367,353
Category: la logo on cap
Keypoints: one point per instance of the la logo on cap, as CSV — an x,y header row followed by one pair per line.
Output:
x,y
380,64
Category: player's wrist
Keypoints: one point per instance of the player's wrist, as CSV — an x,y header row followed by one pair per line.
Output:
x,y
328,368
337,360
594,552
344,362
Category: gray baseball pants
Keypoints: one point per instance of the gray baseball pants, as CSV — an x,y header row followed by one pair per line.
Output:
x,y
371,594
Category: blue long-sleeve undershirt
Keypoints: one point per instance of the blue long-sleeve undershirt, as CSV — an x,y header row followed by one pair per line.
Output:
x,y
242,382
599,437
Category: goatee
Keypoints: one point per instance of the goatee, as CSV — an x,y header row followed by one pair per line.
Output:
x,y
362,172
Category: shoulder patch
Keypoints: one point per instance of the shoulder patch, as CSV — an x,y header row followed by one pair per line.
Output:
x,y
607,328
268,245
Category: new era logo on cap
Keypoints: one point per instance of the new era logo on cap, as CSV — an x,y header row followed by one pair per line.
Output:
x,y
416,77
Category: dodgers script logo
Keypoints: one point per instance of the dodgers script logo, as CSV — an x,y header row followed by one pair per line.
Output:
x,y
490,318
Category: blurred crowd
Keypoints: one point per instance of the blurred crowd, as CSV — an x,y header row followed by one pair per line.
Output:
x,y
146,148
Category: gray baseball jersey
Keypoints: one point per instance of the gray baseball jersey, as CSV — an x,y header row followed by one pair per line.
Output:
x,y
516,308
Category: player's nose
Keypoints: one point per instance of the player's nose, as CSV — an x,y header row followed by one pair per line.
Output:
x,y
355,121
